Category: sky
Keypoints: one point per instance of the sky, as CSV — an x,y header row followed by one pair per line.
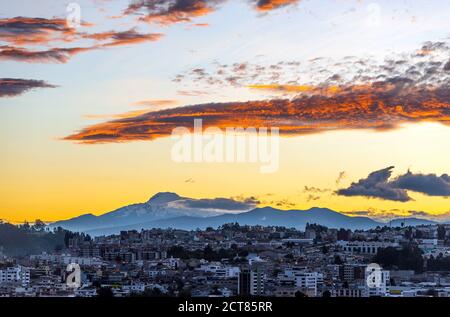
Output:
x,y
358,89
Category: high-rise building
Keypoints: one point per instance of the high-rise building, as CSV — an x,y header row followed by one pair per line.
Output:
x,y
251,281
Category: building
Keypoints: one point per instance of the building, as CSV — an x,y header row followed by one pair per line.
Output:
x,y
351,272
348,292
15,274
307,282
251,281
365,247
380,282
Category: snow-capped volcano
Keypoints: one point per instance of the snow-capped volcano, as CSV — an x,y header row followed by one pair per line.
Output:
x,y
164,205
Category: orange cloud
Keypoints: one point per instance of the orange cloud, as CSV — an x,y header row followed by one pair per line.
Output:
x,y
172,11
268,5
55,55
25,30
167,12
156,103
295,89
123,38
378,106
63,55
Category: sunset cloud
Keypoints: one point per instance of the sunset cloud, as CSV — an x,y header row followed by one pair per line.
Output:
x,y
63,55
11,87
379,106
22,32
167,12
377,96
54,55
157,103
172,11
268,5
26,30
123,38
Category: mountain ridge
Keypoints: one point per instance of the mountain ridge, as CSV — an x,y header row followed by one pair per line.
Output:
x,y
164,210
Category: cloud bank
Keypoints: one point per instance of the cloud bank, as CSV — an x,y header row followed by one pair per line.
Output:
x,y
379,106
379,185
22,32
362,95
226,204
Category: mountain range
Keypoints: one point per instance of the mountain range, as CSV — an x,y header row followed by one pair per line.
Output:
x,y
169,210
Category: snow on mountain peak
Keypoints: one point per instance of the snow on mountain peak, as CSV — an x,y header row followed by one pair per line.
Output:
x,y
163,198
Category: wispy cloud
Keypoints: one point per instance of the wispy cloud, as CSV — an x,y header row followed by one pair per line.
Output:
x,y
428,65
268,5
23,33
30,30
54,55
390,214
131,36
11,87
63,55
167,12
157,103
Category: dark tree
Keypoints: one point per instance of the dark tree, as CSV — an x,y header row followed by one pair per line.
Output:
x,y
441,232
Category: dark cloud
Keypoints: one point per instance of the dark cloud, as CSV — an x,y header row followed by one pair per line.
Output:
x,y
428,184
315,190
419,213
216,204
54,55
379,185
10,87
447,66
376,185
341,176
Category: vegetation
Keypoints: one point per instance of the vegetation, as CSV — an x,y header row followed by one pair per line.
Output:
x,y
440,263
26,239
207,253
407,258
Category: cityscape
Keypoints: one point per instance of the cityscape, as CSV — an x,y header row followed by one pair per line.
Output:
x,y
235,260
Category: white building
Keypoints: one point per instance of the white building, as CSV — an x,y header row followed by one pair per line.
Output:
x,y
220,270
365,247
17,273
309,282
